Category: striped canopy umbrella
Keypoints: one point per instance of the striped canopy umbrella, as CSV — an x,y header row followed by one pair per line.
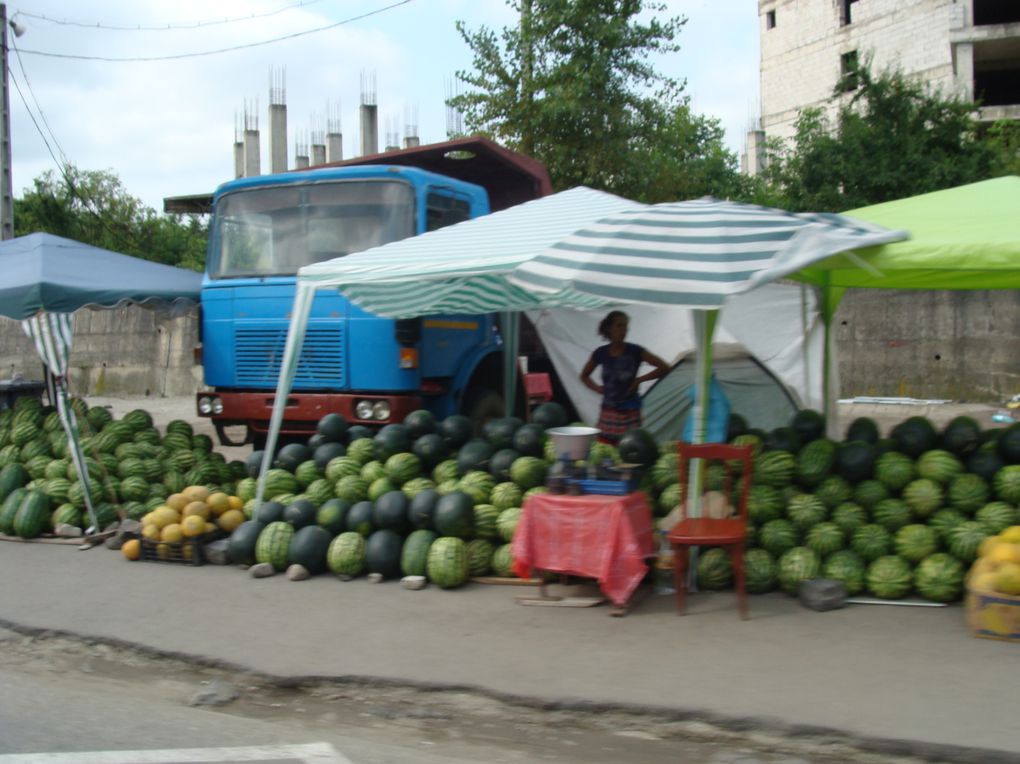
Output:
x,y
694,254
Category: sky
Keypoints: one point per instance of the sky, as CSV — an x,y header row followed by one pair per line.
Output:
x,y
116,85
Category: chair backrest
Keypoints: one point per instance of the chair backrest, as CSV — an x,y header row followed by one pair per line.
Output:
x,y
732,458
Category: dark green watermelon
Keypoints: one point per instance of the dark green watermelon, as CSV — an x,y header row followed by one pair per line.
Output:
x,y
637,446
529,440
315,441
332,516
422,508
333,428
392,439
985,463
327,452
473,455
500,463
549,415
356,431
308,547
382,553
914,436
456,429
431,448
809,425
291,455
420,422
961,436
1009,444
268,512
253,463
500,431
360,518
855,460
736,426
863,428
300,512
454,515
783,439
241,545
390,512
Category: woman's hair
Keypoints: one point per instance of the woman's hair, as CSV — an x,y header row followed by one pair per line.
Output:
x,y
608,321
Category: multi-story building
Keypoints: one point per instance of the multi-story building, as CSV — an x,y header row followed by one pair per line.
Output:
x,y
967,48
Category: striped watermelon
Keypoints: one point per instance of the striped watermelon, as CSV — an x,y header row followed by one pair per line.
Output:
x,y
507,523
506,495
871,541
939,465
847,567
824,538
274,543
486,521
923,496
447,563
307,473
914,542
775,468
890,577
33,515
403,467
502,562
346,554
894,470
797,565
849,517
759,571
778,536
351,488
414,554
805,510
342,466
968,492
891,514
66,514
479,555
996,516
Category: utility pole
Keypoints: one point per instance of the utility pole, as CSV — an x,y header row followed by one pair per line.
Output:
x,y
6,196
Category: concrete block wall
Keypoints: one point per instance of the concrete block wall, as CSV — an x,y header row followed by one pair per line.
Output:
x,y
800,56
126,351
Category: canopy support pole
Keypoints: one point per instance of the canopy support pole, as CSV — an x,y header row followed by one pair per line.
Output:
x,y
704,327
511,326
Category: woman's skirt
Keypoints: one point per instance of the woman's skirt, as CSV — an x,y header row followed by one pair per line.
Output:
x,y
613,423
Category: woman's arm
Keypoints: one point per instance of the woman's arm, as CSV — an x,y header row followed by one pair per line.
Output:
x,y
586,379
661,368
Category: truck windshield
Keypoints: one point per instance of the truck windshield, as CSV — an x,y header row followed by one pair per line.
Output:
x,y
273,231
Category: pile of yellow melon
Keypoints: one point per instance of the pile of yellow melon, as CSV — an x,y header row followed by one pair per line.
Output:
x,y
190,514
997,567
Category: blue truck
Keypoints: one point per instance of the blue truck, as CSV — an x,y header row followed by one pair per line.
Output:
x,y
371,370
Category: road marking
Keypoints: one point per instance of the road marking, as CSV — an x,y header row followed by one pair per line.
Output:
x,y
310,753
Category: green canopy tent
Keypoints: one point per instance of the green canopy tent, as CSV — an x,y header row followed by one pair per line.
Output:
x,y
963,238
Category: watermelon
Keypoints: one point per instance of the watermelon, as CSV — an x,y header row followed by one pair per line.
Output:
x,y
868,493
486,519
351,488
360,518
33,515
326,453
414,554
403,467
891,514
714,569
273,544
963,540
362,450
764,503
454,515
506,495
549,415
668,500
805,510
279,481
333,428
939,465
923,496
968,493
446,471
1008,444
502,562
507,523
848,568
529,440
478,485
760,574
665,471
67,514
12,476
996,516
796,565
382,553
528,472
419,423
824,538
943,520
833,491
474,455
320,491
392,439
430,449
479,556
871,541
815,461
914,436
855,461
985,463
939,578
783,439
291,455
390,511
332,516
414,486
961,436
775,468
421,508
808,424
849,517
299,513
340,467
914,542
447,563
372,471
895,470
1007,484
890,577
456,430
500,431
308,547
346,554
863,429
268,512
500,463
778,536
637,446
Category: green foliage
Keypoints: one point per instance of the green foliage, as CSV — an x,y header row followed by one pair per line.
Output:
x,y
572,85
891,138
91,206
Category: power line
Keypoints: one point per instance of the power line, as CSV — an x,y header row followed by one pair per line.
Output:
x,y
35,100
221,50
167,27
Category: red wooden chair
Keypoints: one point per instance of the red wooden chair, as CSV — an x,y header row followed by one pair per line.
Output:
x,y
726,528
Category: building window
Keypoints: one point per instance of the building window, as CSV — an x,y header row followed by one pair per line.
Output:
x,y
987,12
848,79
770,19
846,12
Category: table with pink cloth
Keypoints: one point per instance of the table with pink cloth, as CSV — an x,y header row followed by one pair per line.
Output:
x,y
608,538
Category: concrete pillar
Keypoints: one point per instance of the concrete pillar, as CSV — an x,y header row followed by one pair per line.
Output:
x,y
369,129
411,141
334,147
318,154
754,158
277,137
238,159
252,154
963,70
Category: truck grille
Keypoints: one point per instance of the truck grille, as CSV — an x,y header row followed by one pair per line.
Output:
x,y
260,355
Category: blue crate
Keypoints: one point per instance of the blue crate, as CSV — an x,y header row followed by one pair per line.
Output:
x,y
606,487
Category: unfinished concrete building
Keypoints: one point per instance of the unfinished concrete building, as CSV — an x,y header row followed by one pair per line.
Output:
x,y
968,48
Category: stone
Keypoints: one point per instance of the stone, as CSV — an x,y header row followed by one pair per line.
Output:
x,y
298,572
67,531
216,552
130,528
262,570
822,594
215,693
345,576
114,542
375,578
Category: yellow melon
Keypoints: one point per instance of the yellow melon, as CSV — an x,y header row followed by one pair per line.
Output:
x,y
230,519
132,549
193,525
150,531
1008,578
199,508
177,501
1004,552
163,551
171,533
218,502
987,545
1011,534
196,493
164,516
236,502
984,582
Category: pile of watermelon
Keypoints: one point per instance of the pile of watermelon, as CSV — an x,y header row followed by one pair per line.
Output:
x,y
132,466
895,516
423,497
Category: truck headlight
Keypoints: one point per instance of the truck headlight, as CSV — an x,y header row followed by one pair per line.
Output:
x,y
217,406
363,409
381,410
205,406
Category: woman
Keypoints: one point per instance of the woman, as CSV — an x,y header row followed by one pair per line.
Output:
x,y
620,362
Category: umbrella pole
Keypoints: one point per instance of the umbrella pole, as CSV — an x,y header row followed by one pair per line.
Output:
x,y
511,334
704,324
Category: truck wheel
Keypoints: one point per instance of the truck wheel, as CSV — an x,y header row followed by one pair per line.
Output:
x,y
480,405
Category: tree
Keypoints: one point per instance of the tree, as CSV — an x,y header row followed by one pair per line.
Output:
x,y
573,86
892,139
92,206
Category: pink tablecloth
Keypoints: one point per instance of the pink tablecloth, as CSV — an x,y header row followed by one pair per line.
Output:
x,y
607,538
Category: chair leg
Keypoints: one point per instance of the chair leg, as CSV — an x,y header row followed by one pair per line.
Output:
x,y
737,558
680,576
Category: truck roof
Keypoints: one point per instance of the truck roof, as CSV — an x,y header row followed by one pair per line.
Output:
x,y
509,178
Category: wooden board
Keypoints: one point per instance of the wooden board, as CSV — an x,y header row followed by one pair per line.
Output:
x,y
504,581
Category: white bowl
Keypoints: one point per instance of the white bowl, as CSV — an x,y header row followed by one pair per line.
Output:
x,y
572,442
